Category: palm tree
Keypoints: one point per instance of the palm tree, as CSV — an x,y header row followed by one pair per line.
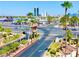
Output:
x,y
66,5
69,35
63,20
74,20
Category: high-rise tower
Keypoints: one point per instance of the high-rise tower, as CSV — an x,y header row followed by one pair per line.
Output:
x,y
36,11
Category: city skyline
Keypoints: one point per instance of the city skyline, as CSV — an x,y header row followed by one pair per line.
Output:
x,y
21,8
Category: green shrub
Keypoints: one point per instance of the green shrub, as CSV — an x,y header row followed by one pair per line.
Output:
x,y
3,52
7,49
8,30
23,41
1,29
53,52
14,45
4,35
54,40
49,49
10,38
54,48
16,36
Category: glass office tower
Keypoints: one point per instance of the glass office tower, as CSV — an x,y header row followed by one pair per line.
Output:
x,y
36,11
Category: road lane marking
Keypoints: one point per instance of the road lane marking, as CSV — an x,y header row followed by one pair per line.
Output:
x,y
48,36
39,46
42,36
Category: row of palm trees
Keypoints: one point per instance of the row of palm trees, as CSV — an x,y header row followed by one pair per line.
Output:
x,y
66,19
71,21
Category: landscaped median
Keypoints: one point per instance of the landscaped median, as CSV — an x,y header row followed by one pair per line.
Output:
x,y
25,46
16,48
53,50
61,49
7,36
8,39
22,48
7,50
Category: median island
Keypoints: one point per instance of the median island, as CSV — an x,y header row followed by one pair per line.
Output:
x,y
12,44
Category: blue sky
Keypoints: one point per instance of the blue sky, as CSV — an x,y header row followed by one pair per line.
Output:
x,y
19,8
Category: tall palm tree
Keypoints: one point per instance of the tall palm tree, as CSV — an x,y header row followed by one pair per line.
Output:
x,y
63,20
66,5
74,20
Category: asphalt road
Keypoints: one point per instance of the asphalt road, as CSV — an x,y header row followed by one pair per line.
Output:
x,y
37,49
